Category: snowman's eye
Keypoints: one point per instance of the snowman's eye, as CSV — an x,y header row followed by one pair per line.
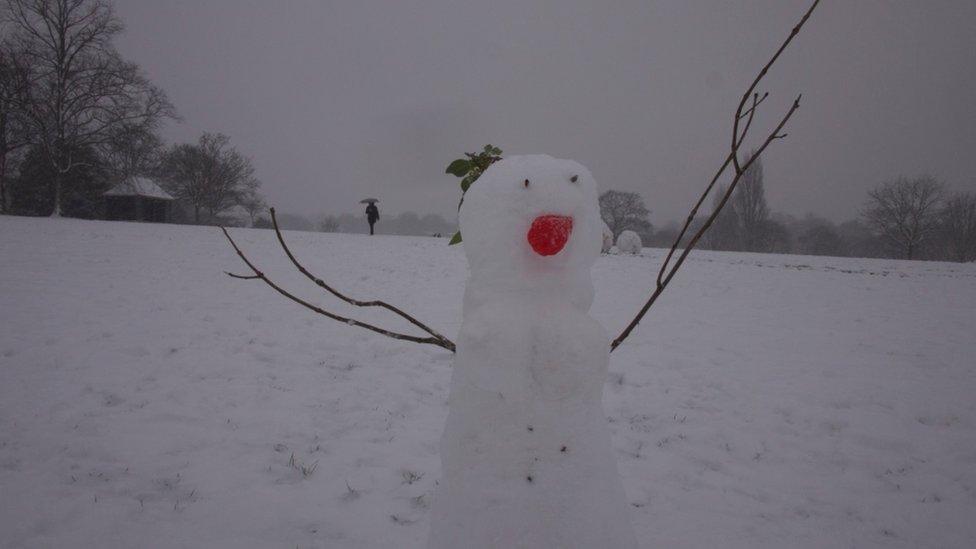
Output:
x,y
526,183
574,179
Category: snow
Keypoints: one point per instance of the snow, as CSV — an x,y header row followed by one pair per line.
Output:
x,y
629,242
139,186
526,453
146,399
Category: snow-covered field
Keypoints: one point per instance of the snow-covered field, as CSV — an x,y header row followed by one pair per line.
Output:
x,y
148,400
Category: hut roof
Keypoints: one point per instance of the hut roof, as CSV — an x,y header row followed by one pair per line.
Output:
x,y
139,186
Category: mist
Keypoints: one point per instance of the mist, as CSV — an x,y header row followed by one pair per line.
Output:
x,y
335,102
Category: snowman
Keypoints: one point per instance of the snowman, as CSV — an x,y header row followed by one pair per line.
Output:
x,y
526,454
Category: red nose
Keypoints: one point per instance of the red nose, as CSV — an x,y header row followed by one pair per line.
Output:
x,y
549,233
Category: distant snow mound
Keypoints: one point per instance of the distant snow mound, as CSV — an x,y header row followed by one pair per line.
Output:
x,y
629,242
607,239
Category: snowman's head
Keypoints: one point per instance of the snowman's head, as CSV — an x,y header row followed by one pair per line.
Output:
x,y
532,218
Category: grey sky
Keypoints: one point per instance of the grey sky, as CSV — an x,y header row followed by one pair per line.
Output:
x,y
340,100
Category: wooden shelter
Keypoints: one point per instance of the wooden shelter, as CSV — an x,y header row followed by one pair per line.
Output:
x,y
138,199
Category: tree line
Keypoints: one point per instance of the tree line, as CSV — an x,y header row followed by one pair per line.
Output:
x,y
76,118
901,218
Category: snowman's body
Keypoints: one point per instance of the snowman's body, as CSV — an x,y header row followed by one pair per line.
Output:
x,y
526,453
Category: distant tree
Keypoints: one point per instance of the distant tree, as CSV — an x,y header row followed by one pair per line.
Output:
x,y
410,223
32,191
435,224
252,202
623,211
905,213
294,222
749,203
724,233
664,236
80,89
132,150
745,223
210,176
957,227
329,224
14,133
777,238
407,223
182,170
859,240
349,223
820,238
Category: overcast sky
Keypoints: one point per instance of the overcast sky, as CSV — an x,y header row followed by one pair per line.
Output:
x,y
336,101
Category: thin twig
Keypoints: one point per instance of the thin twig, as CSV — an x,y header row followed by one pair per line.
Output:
x,y
760,76
752,114
691,217
756,100
665,274
321,283
659,288
352,322
242,277
755,103
701,231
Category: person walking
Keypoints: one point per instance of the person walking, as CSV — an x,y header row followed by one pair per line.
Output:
x,y
372,215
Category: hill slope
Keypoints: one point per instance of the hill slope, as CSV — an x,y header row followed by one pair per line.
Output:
x,y
147,400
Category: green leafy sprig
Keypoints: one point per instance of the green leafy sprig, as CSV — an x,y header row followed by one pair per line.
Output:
x,y
469,169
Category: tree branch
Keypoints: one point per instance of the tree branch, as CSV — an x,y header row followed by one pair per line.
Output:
x,y
439,341
242,277
665,275
321,283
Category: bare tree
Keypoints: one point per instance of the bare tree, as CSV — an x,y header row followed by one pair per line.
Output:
x,y
749,205
724,234
958,227
182,174
210,176
905,213
744,224
776,238
132,150
859,240
820,238
80,89
329,224
14,133
623,211
252,202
